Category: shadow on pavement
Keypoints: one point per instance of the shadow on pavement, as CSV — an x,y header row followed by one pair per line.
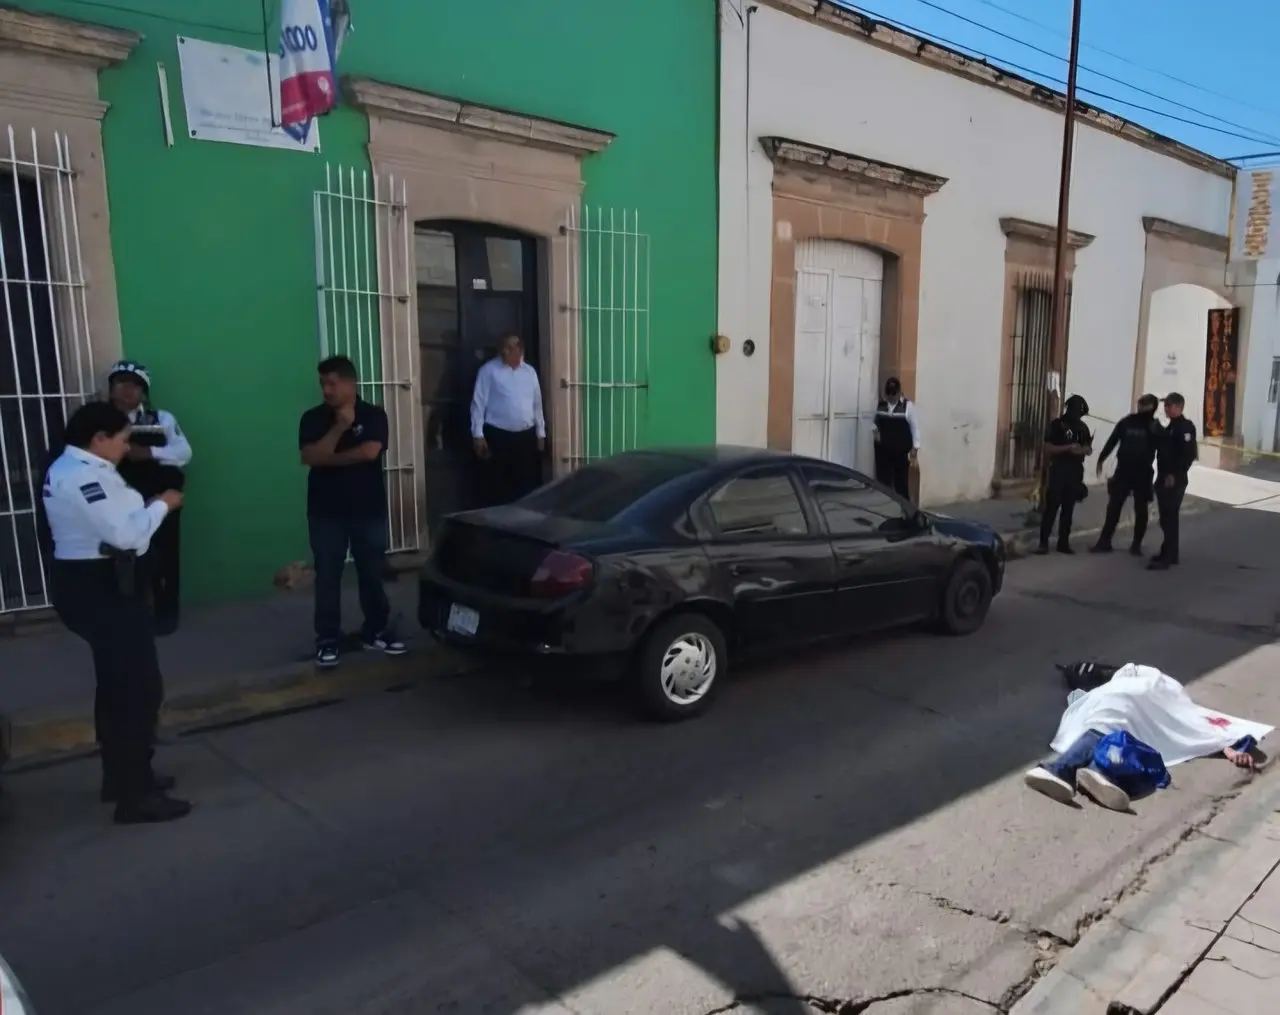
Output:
x,y
835,825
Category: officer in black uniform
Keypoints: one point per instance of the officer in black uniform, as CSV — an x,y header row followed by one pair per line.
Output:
x,y
158,454
897,439
1067,443
99,527
1135,439
1177,453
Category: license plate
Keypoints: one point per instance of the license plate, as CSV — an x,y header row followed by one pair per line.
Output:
x,y
463,620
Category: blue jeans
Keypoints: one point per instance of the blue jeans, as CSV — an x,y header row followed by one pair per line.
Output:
x,y
366,538
1080,755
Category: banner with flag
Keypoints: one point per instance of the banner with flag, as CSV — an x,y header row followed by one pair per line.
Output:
x,y
311,34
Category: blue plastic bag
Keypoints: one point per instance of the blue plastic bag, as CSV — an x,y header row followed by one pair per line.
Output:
x,y
1130,764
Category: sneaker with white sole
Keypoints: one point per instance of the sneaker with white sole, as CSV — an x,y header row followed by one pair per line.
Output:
x,y
386,643
327,656
1043,781
1101,790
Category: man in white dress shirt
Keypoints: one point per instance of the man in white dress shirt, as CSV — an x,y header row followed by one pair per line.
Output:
x,y
158,454
507,425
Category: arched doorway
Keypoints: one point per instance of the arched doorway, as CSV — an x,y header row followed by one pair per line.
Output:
x,y
476,284
839,294
1177,329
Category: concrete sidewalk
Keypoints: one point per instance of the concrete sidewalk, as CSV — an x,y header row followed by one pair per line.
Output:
x,y
1200,937
240,660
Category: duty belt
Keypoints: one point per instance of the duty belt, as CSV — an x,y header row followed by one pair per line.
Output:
x,y
125,563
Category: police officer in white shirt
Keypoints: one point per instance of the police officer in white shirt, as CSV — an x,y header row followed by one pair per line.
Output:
x,y
98,527
507,426
158,453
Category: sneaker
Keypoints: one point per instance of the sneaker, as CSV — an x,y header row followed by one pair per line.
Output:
x,y
1041,550
1065,548
151,809
327,657
1159,564
161,783
387,643
1043,781
1100,548
1135,550
1102,790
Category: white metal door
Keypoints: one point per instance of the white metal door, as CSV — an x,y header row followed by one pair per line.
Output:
x,y
837,351
1272,418
364,280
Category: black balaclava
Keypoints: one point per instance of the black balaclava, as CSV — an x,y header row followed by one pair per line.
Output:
x,y
1148,404
1075,407
892,388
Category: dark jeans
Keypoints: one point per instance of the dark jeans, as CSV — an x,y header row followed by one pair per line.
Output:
x,y
163,562
331,538
1080,755
1127,482
893,469
1169,500
1060,506
126,669
514,467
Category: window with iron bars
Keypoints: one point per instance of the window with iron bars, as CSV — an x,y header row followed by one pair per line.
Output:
x,y
46,359
1027,397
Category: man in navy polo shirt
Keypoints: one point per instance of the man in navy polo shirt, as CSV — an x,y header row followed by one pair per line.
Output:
x,y
343,441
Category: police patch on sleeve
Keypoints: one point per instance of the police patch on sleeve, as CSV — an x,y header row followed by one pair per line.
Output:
x,y
1187,437
93,492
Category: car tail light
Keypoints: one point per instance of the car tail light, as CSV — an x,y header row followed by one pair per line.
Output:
x,y
559,574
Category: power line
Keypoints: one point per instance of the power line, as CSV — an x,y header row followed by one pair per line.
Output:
x,y
1132,63
1041,76
1097,73
188,23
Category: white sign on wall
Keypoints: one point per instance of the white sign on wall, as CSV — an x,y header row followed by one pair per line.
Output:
x,y
1255,232
229,97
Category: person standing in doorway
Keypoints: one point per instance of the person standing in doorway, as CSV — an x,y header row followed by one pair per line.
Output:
x,y
1135,439
507,425
897,439
343,441
1067,443
158,454
1178,452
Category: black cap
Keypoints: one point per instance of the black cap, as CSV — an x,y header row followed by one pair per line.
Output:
x,y
1173,398
1078,402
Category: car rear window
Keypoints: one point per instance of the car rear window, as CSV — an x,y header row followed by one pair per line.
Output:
x,y
601,492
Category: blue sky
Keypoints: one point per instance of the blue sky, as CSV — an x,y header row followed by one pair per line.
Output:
x,y
1197,61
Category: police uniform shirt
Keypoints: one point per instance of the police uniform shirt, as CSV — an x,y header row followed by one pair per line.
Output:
x,y
176,449
1179,450
87,503
897,425
1062,433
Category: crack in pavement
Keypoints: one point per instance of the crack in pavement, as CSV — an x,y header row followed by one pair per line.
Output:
x,y
840,1006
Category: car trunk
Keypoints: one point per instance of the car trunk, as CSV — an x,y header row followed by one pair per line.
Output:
x,y
499,549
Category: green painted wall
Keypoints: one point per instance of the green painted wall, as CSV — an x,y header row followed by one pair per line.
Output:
x,y
213,246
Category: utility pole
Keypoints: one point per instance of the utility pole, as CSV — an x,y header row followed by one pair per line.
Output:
x,y
1058,326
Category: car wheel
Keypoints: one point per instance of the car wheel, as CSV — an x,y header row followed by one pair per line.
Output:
x,y
680,667
966,598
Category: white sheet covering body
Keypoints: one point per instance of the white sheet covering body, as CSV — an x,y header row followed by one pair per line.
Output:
x,y
1156,709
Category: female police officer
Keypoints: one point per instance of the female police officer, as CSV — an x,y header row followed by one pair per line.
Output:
x,y
99,526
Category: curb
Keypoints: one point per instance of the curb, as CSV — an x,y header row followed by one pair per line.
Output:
x,y
1021,542
1135,958
36,742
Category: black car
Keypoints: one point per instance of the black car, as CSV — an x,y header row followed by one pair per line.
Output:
x,y
676,560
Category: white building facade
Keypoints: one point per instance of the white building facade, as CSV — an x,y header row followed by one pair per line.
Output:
x,y
888,208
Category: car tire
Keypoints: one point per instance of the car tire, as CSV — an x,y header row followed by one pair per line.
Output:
x,y
966,598
670,661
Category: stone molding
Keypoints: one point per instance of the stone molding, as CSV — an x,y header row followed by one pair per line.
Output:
x,y
1186,234
61,38
1037,233
396,102
863,170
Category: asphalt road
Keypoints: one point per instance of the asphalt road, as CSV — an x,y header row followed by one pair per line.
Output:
x,y
844,827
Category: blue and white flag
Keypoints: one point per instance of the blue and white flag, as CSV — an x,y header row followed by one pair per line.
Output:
x,y
311,34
